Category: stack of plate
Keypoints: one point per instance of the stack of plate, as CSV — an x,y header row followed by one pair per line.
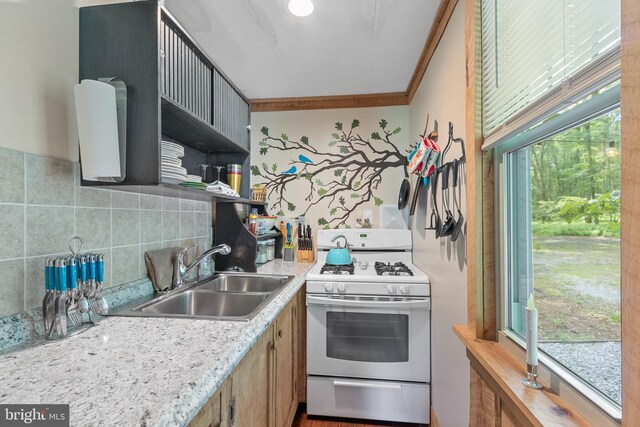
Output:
x,y
172,170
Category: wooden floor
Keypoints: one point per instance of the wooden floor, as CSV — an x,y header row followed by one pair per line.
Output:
x,y
304,420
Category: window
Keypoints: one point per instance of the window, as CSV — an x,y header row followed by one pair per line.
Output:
x,y
561,238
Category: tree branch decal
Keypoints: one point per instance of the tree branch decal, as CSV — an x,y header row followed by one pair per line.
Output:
x,y
345,176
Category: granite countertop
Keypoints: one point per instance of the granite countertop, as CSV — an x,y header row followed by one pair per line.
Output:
x,y
139,371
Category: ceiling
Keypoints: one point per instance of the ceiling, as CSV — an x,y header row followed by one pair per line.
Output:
x,y
345,47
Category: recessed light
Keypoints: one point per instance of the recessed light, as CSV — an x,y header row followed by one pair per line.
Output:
x,y
301,7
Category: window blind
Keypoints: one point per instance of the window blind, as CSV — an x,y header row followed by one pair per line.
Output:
x,y
533,49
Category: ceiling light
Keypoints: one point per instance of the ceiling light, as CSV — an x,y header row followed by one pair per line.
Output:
x,y
301,7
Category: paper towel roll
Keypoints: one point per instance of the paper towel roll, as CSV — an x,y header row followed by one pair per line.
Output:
x,y
97,130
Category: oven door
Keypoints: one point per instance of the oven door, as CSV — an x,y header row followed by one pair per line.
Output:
x,y
369,337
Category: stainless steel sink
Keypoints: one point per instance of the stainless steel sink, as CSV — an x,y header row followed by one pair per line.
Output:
x,y
226,296
247,283
207,304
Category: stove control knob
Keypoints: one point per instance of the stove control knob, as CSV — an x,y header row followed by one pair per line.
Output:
x,y
328,287
391,289
342,287
404,289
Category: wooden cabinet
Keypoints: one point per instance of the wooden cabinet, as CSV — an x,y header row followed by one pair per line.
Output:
x,y
252,385
286,398
174,90
262,391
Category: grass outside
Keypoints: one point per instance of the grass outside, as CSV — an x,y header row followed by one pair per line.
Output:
x,y
577,287
602,229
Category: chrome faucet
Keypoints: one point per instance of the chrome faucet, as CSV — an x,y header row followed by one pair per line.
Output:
x,y
181,271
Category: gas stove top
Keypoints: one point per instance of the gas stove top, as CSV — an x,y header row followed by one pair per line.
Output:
x,y
382,265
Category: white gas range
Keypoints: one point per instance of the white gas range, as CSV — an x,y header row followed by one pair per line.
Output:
x,y
368,330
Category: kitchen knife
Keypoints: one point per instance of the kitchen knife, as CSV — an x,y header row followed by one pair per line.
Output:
x,y
289,242
310,240
301,242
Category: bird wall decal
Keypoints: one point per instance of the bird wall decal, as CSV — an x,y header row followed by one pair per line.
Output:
x,y
305,159
291,171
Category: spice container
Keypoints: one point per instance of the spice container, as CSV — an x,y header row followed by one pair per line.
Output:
x,y
262,255
271,249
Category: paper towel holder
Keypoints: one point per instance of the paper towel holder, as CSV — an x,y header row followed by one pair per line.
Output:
x,y
121,119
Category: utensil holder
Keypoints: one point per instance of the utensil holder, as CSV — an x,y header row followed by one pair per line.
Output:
x,y
288,254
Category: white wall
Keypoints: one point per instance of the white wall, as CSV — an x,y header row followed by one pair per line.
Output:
x,y
38,68
318,125
442,95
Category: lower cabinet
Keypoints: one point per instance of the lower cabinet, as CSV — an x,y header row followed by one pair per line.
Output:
x,y
263,389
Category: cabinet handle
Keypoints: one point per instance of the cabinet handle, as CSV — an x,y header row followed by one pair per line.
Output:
x,y
280,333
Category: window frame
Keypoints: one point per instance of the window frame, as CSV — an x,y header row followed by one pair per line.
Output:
x,y
562,381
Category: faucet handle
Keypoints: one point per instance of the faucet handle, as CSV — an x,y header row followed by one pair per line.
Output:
x,y
184,251
180,258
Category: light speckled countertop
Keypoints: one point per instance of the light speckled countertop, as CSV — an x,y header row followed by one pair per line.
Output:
x,y
139,371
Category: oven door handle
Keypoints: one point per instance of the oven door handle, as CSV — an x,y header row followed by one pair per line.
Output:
x,y
366,385
334,302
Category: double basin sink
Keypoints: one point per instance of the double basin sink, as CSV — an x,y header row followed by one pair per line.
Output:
x,y
225,296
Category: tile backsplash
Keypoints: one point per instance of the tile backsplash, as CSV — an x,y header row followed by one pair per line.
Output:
x,y
42,206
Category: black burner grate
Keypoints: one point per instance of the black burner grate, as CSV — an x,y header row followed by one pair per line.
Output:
x,y
388,269
337,269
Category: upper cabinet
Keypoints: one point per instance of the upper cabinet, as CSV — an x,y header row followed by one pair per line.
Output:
x,y
174,91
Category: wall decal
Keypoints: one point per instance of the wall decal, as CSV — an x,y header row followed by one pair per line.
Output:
x,y
342,177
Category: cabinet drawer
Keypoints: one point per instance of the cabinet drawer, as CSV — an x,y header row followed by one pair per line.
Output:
x,y
185,74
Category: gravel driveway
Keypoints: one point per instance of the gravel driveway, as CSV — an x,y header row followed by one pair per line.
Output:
x,y
596,362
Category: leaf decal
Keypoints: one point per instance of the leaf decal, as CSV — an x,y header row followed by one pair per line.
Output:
x,y
357,185
341,200
333,211
396,131
355,123
305,140
274,168
339,126
319,182
280,212
338,172
309,176
262,143
263,151
344,149
291,206
322,221
265,130
355,196
378,201
383,123
333,143
322,192
335,136
255,170
376,136
344,179
284,137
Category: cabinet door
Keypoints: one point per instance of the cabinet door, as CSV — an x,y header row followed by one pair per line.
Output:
x,y
214,412
286,398
252,385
